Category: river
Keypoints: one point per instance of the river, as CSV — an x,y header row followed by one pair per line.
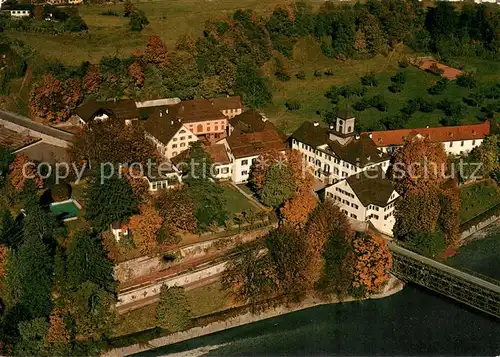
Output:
x,y
412,322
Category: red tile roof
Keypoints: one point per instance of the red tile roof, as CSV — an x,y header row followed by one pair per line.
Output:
x,y
439,134
218,153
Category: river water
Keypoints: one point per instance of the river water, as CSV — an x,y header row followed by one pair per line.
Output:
x,y
412,322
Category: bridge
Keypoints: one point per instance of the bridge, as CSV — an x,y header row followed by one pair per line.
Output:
x,y
468,289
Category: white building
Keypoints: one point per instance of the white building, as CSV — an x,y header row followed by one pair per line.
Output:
x,y
251,135
169,136
457,140
367,197
336,152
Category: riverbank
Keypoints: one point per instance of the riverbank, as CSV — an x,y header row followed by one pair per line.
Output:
x,y
394,286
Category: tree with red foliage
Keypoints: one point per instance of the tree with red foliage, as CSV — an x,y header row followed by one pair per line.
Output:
x,y
52,100
177,210
92,79
156,51
373,264
20,171
136,72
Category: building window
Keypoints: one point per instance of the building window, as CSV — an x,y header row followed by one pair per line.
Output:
x,y
473,142
225,170
451,144
354,205
182,138
244,162
174,146
174,153
199,128
354,216
190,136
462,144
174,139
208,128
182,132
254,161
216,128
182,145
244,173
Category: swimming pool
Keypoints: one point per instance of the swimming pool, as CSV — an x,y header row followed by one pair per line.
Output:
x,y
69,209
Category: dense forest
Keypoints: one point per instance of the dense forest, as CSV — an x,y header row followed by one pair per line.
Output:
x,y
228,58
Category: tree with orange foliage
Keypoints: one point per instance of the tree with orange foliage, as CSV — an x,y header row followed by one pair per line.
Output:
x,y
92,79
52,100
57,332
329,238
156,51
145,227
136,73
3,260
20,171
177,210
419,165
429,206
373,264
296,210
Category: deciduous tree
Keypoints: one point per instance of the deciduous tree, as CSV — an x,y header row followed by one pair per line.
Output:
x,y
145,227
92,79
373,264
21,170
156,51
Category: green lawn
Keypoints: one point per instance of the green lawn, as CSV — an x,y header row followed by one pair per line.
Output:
x,y
478,198
310,92
203,300
109,35
236,202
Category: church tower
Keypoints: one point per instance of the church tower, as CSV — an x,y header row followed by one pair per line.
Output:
x,y
344,126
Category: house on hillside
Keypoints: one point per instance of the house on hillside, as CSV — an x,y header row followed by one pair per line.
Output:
x,y
207,119
163,178
250,136
168,134
336,152
457,140
92,110
119,230
17,10
367,197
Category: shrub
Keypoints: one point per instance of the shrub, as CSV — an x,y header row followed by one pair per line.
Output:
x,y
439,87
361,105
60,192
110,13
346,92
292,105
403,63
395,87
301,75
467,80
369,80
379,102
427,105
399,78
172,312
329,72
332,92
318,73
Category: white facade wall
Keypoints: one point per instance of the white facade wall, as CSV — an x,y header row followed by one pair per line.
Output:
x,y
344,196
242,168
179,142
20,13
321,162
224,172
457,147
231,113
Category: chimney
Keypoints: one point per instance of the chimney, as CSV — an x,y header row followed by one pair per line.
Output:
x,y
316,123
332,127
370,135
427,126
